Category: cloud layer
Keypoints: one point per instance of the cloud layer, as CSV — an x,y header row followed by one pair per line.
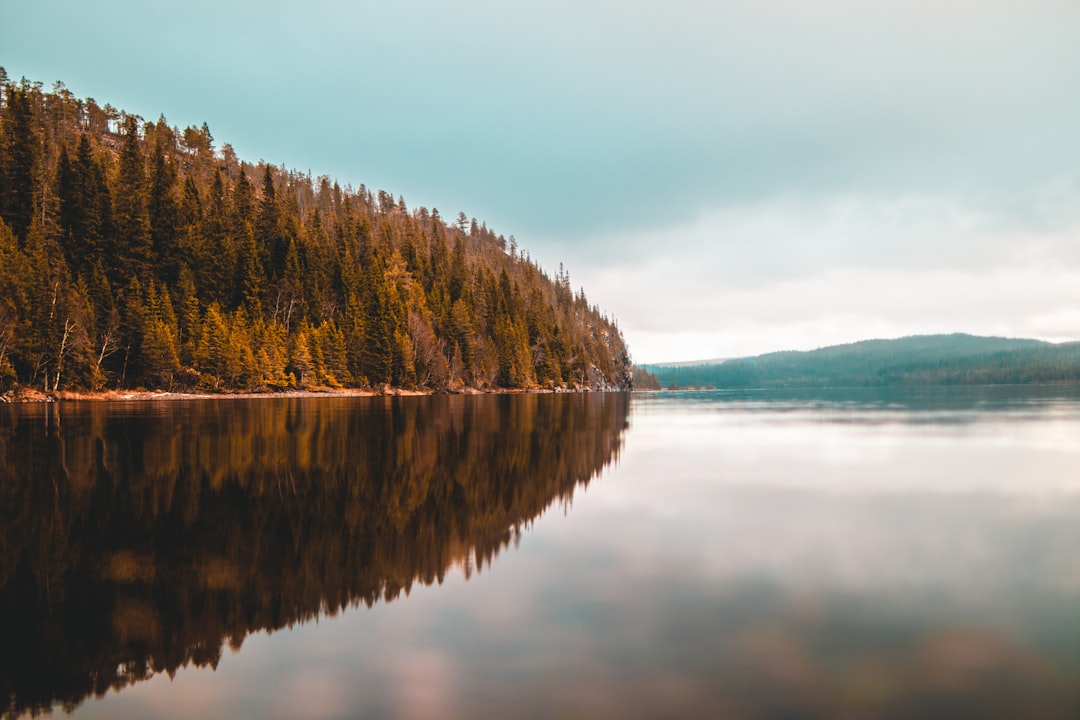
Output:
x,y
797,275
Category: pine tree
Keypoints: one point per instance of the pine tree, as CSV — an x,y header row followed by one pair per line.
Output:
x,y
13,302
22,148
163,209
70,213
268,230
95,198
159,352
300,361
132,331
217,250
334,356
377,348
132,252
84,214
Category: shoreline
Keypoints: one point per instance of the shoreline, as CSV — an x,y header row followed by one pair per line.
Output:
x,y
25,395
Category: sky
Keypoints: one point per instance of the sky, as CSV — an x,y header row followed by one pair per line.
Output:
x,y
723,177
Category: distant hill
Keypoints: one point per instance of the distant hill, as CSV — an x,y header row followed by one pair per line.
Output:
x,y
957,359
690,363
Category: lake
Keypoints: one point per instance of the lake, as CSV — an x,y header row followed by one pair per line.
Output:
x,y
806,554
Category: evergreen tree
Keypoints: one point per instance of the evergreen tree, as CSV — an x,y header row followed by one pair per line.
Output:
x,y
132,252
84,214
189,320
160,354
301,364
22,148
268,231
217,250
70,218
163,208
132,331
333,354
376,349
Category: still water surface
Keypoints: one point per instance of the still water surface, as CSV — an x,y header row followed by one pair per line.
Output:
x,y
854,554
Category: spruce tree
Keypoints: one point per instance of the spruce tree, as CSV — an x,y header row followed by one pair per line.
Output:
x,y
133,251
163,209
22,147
377,348
268,231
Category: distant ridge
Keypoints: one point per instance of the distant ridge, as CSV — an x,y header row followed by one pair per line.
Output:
x,y
690,363
953,359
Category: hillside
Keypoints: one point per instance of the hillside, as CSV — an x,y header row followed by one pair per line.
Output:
x,y
917,360
135,254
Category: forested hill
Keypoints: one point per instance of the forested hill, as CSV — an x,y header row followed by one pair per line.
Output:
x,y
917,360
133,253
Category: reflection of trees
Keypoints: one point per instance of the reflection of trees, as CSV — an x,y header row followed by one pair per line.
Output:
x,y
135,541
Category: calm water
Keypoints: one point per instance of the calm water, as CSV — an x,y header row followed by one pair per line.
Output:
x,y
778,555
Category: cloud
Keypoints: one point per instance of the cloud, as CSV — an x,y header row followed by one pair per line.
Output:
x,y
790,274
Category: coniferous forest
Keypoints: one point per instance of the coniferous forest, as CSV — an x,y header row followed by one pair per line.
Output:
x,y
135,254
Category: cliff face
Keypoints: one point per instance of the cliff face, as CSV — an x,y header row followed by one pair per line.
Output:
x,y
137,254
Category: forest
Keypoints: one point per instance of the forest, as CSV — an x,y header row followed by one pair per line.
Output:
x,y
134,254
957,359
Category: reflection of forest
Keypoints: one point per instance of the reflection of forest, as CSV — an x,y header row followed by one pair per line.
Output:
x,y
138,539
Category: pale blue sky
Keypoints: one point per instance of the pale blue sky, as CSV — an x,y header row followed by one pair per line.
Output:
x,y
723,177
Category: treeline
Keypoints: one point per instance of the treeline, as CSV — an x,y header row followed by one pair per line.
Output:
x,y
129,548
645,380
957,359
133,254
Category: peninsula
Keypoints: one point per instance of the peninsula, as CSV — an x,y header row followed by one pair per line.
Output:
x,y
134,254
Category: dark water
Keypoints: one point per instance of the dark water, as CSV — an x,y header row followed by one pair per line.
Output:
x,y
778,555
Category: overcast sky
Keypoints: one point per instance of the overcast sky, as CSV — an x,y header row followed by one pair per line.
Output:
x,y
724,177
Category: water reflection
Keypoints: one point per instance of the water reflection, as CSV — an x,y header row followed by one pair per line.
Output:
x,y
136,539
938,405
856,554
